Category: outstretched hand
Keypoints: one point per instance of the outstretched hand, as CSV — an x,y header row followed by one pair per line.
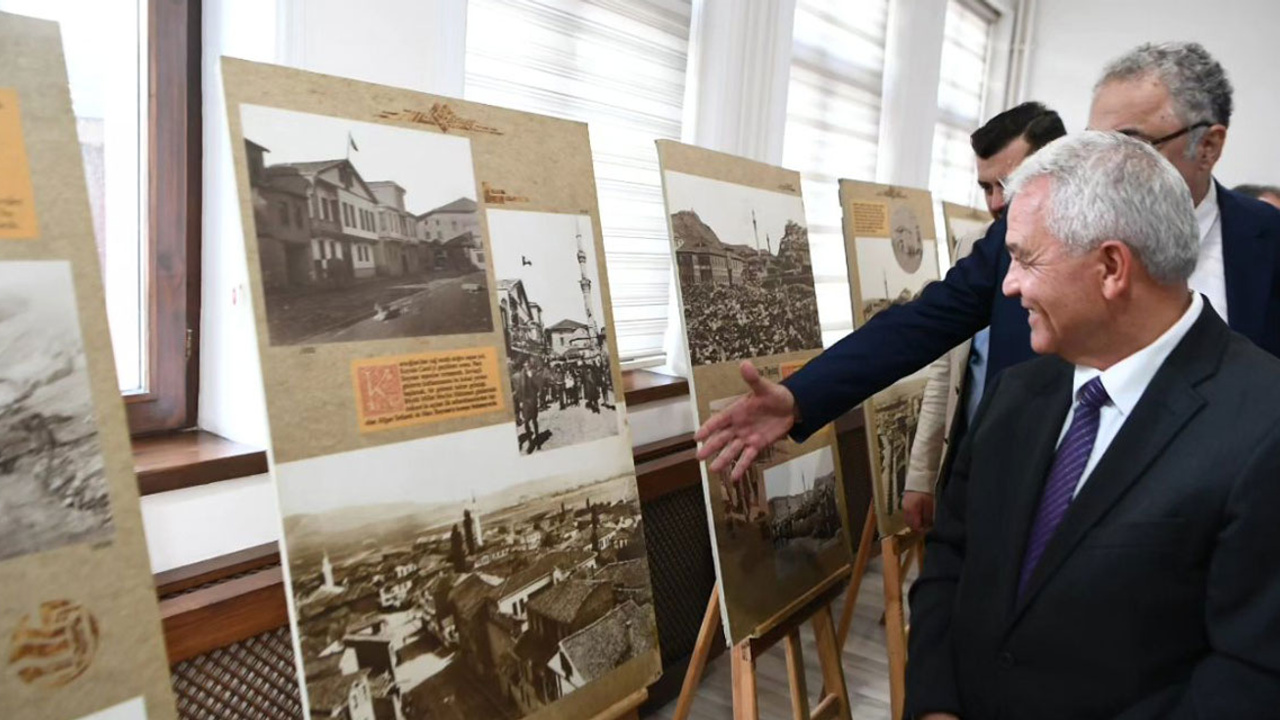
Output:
x,y
736,435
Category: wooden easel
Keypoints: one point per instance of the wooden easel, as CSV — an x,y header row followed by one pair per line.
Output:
x,y
815,607
627,708
897,552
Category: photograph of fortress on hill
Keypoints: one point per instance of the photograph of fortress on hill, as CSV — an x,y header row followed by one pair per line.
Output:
x,y
746,279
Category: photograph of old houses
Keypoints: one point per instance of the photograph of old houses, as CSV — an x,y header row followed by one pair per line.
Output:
x,y
746,278
492,594
53,483
364,231
892,419
549,296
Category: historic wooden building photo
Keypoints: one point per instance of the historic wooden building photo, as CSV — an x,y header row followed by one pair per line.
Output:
x,y
364,231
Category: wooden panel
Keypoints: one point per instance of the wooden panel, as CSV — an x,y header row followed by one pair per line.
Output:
x,y
644,386
228,612
172,582
186,459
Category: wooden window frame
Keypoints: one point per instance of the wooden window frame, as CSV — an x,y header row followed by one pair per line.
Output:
x,y
174,239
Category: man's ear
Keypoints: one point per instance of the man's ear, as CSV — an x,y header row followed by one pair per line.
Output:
x,y
1117,268
1210,150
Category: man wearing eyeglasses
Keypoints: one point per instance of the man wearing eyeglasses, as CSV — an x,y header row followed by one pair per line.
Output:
x,y
1173,95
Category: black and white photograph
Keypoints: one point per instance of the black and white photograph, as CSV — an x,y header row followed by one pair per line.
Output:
x,y
803,511
365,231
745,501
897,413
746,278
553,325
53,482
489,595
894,270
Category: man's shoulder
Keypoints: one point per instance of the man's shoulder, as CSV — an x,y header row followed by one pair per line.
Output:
x,y
1035,373
1264,215
1245,363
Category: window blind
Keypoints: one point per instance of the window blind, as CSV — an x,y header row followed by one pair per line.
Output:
x,y
832,130
961,90
618,65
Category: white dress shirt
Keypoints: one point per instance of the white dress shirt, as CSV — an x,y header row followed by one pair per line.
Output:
x,y
1125,382
1210,276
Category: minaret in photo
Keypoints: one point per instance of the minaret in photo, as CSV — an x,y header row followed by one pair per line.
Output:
x,y
326,568
585,283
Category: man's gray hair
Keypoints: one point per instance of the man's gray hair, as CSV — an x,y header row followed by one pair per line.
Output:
x,y
1108,186
1197,83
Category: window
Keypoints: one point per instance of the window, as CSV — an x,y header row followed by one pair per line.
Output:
x,y
833,128
297,215
284,214
961,91
134,76
621,68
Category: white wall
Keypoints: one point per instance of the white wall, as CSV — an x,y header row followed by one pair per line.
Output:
x,y
1074,39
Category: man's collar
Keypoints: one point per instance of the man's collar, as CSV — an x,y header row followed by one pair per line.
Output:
x,y
1126,380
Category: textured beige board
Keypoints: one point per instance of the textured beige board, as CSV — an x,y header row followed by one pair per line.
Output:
x,y
964,226
891,259
757,582
362,492
90,604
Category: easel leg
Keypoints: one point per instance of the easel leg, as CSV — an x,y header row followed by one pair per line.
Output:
x,y
795,676
745,698
894,625
698,660
859,568
834,688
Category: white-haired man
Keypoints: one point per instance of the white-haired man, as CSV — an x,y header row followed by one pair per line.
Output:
x,y
1106,544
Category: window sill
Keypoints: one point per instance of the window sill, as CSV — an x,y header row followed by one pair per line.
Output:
x,y
187,459
646,386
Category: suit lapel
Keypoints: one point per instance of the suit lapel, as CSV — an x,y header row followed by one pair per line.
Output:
x,y
1029,454
1168,404
1247,262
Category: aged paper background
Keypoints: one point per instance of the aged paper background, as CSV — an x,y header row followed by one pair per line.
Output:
x,y
521,162
753,591
109,582
876,266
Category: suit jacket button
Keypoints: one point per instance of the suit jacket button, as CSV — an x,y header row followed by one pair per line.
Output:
x,y
1006,660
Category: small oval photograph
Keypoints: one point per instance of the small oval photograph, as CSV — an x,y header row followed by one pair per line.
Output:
x,y
908,244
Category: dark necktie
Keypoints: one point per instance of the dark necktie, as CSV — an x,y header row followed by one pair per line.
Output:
x,y
1068,465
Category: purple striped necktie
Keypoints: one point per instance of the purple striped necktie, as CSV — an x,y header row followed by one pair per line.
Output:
x,y
1068,465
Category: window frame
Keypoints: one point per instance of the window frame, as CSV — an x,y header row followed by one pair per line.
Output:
x,y
175,165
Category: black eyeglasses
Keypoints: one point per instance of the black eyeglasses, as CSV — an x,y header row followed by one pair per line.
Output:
x,y
1157,142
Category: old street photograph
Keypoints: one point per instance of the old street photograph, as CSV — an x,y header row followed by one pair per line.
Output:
x,y
804,514
365,231
549,296
897,412
53,483
460,600
746,278
894,270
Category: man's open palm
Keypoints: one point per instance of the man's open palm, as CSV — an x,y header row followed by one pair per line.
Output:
x,y
752,423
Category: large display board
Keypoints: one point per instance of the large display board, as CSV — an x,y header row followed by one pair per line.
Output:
x,y
80,634
746,289
892,249
448,431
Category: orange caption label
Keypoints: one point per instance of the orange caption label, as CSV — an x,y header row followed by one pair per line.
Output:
x,y
409,390
788,369
17,201
870,219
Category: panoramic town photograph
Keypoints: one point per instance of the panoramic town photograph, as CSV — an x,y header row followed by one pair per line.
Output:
x,y
492,604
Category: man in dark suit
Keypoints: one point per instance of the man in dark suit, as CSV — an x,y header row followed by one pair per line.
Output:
x,y
1115,555
1175,97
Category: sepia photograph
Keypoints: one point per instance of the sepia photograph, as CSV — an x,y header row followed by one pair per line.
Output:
x,y
746,278
895,414
803,512
893,271
494,597
549,297
965,226
364,231
53,482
